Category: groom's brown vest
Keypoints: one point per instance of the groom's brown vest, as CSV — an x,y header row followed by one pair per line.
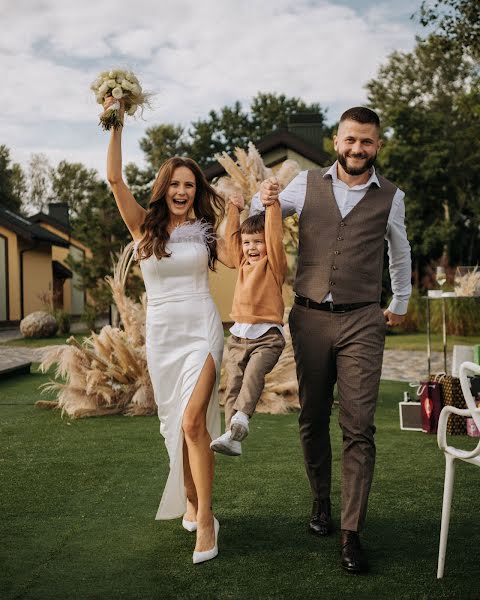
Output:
x,y
343,256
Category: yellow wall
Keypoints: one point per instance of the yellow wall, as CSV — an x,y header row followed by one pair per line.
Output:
x,y
68,238
60,254
37,278
13,274
37,275
277,155
304,163
222,285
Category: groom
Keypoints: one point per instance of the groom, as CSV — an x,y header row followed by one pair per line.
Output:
x,y
338,328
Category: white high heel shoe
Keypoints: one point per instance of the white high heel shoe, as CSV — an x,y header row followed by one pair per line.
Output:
x,y
199,557
189,525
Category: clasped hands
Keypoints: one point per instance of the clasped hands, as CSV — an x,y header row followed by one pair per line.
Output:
x,y
269,191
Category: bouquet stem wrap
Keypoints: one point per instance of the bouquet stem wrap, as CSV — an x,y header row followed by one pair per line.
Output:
x,y
121,85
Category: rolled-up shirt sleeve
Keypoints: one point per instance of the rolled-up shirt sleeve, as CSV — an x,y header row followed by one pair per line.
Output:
x,y
292,198
400,262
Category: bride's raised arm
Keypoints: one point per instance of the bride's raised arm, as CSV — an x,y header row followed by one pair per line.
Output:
x,y
132,212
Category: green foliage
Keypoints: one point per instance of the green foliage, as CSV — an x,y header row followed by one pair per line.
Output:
x,y
429,103
415,317
98,224
39,182
139,182
222,130
462,316
63,320
75,185
456,20
233,126
162,142
12,182
89,316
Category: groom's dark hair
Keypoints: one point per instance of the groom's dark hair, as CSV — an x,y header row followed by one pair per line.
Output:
x,y
361,115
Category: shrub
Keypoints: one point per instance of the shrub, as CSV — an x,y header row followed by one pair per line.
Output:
x,y
63,320
89,316
462,315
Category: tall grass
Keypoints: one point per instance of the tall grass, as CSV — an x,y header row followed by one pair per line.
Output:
x,y
462,315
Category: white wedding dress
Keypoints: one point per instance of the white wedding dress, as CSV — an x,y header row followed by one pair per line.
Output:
x,y
183,327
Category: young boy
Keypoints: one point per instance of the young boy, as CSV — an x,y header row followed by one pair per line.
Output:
x,y
257,340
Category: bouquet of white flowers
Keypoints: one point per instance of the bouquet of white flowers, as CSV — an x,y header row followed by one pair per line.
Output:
x,y
120,85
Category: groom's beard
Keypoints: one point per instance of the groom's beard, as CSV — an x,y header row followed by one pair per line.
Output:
x,y
369,162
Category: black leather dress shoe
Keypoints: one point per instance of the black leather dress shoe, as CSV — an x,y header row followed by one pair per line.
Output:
x,y
321,523
353,557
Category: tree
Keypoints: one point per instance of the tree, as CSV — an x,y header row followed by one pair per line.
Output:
x,y
39,182
73,184
19,184
162,142
429,103
456,20
233,126
139,182
272,111
12,182
97,223
222,130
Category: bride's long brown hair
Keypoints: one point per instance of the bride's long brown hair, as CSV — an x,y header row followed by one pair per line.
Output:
x,y
208,206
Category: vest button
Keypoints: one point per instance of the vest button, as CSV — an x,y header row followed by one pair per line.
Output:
x,y
342,224
337,252
331,283
334,268
339,239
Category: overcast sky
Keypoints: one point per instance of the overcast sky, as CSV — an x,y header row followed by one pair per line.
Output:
x,y
194,55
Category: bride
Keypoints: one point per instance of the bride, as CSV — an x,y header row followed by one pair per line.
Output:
x,y
184,333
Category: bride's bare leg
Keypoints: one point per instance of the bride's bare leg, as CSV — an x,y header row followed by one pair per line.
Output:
x,y
192,501
200,457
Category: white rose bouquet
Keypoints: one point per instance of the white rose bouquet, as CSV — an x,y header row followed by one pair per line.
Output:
x,y
121,85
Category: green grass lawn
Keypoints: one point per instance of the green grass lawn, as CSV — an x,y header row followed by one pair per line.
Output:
x,y
41,342
418,341
79,499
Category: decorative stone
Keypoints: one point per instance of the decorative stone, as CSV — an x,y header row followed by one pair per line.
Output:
x,y
38,324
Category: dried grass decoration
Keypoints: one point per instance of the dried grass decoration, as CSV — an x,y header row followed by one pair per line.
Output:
x,y
121,85
106,374
247,173
467,281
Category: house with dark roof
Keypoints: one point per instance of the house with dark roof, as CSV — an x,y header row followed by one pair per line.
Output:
x,y
32,263
301,141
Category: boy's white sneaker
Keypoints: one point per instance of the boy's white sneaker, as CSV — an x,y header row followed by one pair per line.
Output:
x,y
239,426
225,445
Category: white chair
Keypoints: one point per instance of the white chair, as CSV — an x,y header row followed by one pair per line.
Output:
x,y
452,453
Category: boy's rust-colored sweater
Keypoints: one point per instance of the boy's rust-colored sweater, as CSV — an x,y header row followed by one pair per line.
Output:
x,y
258,291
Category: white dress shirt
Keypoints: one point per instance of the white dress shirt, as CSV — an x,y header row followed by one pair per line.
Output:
x,y
292,200
252,331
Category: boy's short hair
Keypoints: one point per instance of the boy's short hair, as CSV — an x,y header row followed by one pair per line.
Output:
x,y
254,224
